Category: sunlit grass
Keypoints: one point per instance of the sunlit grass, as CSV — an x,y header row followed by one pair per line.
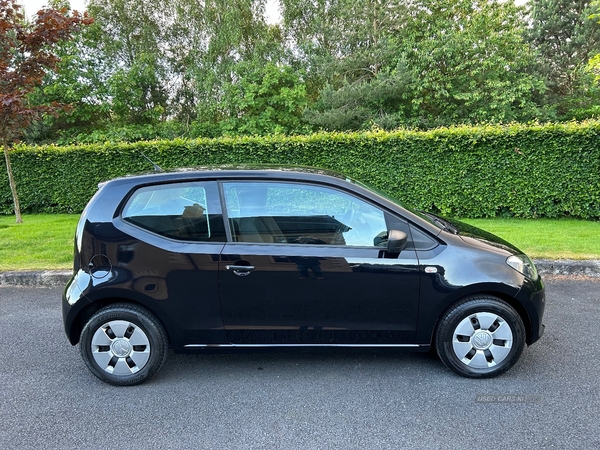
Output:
x,y
545,238
45,241
42,241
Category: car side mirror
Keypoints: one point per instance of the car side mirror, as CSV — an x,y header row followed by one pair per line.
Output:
x,y
396,241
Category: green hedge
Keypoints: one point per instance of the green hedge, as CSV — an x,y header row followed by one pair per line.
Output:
x,y
516,170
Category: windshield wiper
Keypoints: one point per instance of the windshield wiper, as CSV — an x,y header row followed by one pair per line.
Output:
x,y
442,223
446,226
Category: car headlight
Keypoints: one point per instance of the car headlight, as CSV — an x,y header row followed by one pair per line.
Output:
x,y
524,265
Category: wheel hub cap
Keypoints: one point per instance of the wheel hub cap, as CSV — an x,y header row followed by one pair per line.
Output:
x,y
482,340
121,348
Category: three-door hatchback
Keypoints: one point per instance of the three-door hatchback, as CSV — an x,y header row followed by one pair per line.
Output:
x,y
280,258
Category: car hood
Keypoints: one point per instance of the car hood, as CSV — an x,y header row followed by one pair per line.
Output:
x,y
477,237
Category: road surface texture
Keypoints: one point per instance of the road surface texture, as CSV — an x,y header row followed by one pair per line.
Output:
x,y
309,400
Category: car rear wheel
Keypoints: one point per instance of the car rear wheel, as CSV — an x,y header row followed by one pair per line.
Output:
x,y
123,344
480,337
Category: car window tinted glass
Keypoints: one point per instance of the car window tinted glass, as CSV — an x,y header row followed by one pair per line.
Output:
x,y
301,214
421,240
179,211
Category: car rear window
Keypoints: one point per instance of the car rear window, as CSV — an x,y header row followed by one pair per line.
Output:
x,y
179,211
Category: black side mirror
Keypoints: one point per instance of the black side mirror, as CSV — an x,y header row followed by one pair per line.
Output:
x,y
396,241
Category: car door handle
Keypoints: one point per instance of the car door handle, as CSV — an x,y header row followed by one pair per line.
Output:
x,y
242,271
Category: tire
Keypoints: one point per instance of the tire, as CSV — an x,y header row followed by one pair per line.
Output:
x,y
123,344
480,337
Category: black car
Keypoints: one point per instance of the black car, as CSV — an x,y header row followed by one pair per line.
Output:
x,y
284,258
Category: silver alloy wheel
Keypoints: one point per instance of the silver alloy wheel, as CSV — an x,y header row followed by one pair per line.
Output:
x,y
482,340
120,347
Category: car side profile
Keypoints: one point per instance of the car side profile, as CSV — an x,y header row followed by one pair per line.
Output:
x,y
213,259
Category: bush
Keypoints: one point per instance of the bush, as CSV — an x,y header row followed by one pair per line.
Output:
x,y
485,171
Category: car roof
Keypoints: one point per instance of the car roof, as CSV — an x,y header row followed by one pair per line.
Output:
x,y
231,171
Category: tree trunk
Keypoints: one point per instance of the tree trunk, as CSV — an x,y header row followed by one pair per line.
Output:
x,y
13,186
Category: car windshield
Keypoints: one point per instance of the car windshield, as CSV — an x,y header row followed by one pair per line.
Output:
x,y
440,222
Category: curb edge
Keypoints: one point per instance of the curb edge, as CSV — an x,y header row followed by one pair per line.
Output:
x,y
55,278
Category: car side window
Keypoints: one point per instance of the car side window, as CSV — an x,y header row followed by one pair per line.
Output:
x,y
293,213
183,211
421,240
417,239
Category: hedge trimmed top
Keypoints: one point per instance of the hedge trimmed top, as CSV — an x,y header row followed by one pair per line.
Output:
x,y
484,171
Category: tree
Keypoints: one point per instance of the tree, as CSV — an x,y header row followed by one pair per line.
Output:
x,y
267,99
177,60
422,63
469,63
381,102
342,42
565,37
25,57
80,80
351,54
223,41
132,40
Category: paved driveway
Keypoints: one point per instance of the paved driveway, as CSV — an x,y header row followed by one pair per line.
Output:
x,y
551,399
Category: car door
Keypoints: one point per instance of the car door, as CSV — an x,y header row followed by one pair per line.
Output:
x,y
173,257
307,264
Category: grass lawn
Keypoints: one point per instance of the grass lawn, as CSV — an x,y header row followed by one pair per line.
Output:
x,y
42,241
45,241
547,238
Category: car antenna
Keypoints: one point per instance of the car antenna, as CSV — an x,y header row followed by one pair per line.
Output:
x,y
157,168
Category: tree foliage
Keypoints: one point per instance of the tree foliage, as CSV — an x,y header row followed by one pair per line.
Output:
x,y
151,69
26,55
351,51
438,62
469,63
267,100
565,37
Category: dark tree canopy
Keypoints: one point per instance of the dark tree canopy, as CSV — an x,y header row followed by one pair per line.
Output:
x,y
565,36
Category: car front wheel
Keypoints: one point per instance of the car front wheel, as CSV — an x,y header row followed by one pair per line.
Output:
x,y
480,337
123,345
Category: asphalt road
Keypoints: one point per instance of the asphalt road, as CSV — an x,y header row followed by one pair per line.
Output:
x,y
551,399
